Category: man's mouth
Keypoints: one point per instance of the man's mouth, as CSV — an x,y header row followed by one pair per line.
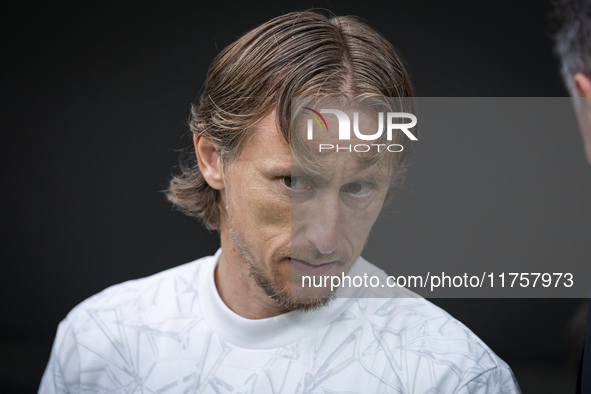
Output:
x,y
312,267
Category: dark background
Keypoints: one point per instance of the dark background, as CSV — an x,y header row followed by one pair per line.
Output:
x,y
94,104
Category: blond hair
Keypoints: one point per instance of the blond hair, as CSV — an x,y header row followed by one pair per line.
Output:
x,y
300,54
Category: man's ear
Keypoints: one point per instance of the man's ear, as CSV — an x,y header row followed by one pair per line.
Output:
x,y
583,84
210,163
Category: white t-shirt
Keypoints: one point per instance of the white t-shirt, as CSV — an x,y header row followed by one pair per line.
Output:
x,y
172,333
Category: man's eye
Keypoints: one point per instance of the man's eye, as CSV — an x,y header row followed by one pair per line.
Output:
x,y
358,188
296,182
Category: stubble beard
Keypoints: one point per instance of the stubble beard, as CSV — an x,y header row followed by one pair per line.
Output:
x,y
272,284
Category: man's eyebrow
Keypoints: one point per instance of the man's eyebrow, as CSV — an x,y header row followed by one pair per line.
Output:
x,y
292,169
285,169
377,179
277,169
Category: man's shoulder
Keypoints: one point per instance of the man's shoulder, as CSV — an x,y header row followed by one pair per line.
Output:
x,y
141,295
422,334
105,331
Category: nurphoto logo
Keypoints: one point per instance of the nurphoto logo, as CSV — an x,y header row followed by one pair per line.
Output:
x,y
344,130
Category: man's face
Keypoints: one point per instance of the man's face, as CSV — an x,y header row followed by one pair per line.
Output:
x,y
286,222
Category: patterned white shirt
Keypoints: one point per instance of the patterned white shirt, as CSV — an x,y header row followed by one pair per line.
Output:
x,y
172,333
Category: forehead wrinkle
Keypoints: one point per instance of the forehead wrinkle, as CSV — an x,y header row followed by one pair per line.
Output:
x,y
317,164
377,171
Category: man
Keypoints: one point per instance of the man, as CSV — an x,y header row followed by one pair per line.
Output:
x,y
233,322
573,45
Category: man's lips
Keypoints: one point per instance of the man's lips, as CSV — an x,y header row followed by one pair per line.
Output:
x,y
312,266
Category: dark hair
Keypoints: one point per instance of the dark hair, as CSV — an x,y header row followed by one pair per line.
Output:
x,y
571,20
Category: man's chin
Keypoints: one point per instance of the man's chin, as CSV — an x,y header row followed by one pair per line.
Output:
x,y
291,295
304,297
295,303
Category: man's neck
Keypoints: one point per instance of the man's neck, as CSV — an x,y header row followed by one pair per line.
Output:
x,y
237,288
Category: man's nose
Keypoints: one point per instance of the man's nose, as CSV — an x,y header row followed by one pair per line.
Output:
x,y
322,224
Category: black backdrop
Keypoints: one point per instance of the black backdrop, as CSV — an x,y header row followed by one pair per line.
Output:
x,y
94,103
